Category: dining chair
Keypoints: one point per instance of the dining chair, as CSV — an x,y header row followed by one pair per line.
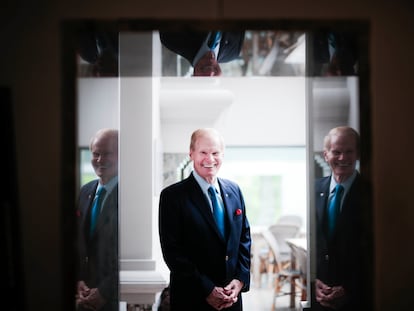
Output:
x,y
301,266
284,276
281,232
290,219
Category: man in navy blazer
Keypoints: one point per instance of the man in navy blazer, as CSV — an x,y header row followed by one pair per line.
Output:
x,y
97,286
339,274
193,46
208,271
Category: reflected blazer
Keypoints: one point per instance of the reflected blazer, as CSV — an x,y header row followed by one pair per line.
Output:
x,y
198,257
188,43
98,253
339,259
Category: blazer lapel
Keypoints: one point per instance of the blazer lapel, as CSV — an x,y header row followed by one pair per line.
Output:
x,y
229,205
87,207
349,205
109,209
202,203
321,200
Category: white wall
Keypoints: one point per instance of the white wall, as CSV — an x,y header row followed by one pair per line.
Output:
x,y
265,111
97,106
255,111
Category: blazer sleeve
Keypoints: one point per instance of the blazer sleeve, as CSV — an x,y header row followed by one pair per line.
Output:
x,y
84,202
239,244
173,242
230,46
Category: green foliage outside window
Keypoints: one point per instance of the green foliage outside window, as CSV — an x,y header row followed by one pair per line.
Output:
x,y
262,195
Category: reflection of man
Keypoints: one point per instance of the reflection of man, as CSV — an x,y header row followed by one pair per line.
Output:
x,y
203,56
209,266
338,282
97,287
100,49
335,54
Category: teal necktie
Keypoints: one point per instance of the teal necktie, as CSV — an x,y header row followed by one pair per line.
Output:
x,y
334,208
218,210
96,207
214,39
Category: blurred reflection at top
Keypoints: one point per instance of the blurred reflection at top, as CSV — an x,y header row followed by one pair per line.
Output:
x,y
98,51
335,53
230,53
247,53
205,50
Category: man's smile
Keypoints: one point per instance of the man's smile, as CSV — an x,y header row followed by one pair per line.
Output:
x,y
209,165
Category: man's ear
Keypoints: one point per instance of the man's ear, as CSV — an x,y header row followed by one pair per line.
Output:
x,y
325,155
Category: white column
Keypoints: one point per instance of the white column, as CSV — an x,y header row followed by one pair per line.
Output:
x,y
139,120
136,178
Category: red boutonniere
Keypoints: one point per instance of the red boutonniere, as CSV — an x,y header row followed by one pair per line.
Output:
x,y
78,213
238,212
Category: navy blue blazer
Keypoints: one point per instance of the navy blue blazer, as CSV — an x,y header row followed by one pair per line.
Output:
x,y
198,257
98,254
187,44
340,259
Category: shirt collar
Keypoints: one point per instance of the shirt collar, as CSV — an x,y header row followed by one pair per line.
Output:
x,y
204,184
204,49
346,184
110,185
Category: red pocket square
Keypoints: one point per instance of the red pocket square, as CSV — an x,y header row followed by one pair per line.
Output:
x,y
238,212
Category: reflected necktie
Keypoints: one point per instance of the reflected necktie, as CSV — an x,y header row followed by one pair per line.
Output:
x,y
214,39
96,207
334,208
218,210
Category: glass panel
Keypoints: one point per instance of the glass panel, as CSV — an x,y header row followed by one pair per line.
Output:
x,y
261,53
284,88
273,181
87,173
97,256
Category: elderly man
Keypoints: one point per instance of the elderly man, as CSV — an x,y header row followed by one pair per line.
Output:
x,y
204,233
339,277
97,287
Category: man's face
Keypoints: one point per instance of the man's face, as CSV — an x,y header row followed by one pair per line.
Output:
x,y
342,156
207,66
207,156
105,158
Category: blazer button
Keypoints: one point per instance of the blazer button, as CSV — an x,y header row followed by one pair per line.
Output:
x,y
226,258
327,257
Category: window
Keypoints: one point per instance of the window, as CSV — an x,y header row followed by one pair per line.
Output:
x,y
272,179
86,172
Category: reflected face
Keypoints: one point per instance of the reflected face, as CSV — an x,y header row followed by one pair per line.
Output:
x,y
207,66
105,157
342,156
207,155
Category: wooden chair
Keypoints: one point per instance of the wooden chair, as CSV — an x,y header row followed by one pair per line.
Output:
x,y
301,262
281,232
283,274
290,220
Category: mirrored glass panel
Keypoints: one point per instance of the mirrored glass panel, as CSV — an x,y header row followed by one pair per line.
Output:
x,y
274,93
